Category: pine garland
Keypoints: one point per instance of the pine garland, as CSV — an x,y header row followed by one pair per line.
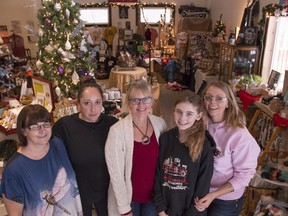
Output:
x,y
271,10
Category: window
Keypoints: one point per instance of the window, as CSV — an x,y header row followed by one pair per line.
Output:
x,y
95,16
276,48
152,15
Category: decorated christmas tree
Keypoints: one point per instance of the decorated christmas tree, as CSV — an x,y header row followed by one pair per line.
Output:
x,y
219,28
65,49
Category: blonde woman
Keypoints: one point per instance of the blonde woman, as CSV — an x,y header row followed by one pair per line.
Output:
x,y
131,154
235,164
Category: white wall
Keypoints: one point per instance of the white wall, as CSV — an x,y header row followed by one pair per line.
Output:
x,y
26,10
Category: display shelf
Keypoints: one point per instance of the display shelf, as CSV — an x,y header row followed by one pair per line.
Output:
x,y
237,60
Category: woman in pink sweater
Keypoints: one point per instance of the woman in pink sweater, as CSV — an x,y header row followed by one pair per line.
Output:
x,y
236,161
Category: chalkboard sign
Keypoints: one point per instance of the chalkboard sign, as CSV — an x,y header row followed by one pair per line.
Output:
x,y
250,35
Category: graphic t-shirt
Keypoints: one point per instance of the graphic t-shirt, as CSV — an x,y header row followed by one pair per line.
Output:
x,y
46,186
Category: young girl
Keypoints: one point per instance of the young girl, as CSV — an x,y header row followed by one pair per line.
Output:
x,y
185,163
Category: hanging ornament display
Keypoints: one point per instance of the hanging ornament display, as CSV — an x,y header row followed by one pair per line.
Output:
x,y
75,78
40,32
68,45
60,70
83,47
39,64
57,7
67,12
41,73
49,48
47,21
58,91
55,27
72,3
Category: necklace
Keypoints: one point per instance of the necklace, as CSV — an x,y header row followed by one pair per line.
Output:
x,y
145,139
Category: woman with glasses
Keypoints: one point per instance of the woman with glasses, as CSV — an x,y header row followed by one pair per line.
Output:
x,y
131,154
39,178
185,163
85,135
236,161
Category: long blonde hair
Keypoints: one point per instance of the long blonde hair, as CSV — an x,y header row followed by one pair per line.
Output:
x,y
233,116
194,137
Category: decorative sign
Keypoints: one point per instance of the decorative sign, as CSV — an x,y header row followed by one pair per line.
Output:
x,y
250,35
123,12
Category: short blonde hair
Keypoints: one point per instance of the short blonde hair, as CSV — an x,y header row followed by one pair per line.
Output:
x,y
141,85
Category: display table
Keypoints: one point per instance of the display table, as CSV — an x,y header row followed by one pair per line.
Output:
x,y
121,78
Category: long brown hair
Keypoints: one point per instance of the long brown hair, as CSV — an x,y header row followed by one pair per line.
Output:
x,y
233,116
194,137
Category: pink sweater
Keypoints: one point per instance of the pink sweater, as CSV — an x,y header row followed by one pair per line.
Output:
x,y
238,159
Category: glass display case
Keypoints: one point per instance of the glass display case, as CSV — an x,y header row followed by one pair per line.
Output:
x,y
237,60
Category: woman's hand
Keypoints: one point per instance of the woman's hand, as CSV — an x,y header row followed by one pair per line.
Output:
x,y
162,213
204,202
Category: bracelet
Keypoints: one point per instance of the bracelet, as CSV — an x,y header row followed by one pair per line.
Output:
x,y
127,212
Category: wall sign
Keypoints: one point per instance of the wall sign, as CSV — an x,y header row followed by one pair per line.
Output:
x,y
250,35
123,12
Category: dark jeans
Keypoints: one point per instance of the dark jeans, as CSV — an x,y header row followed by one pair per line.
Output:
x,y
225,207
144,209
100,207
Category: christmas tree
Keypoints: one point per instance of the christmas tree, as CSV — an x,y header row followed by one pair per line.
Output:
x,y
219,28
65,49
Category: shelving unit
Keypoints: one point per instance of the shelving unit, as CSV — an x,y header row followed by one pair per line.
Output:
x,y
236,60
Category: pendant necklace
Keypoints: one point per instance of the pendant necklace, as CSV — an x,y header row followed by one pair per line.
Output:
x,y
145,140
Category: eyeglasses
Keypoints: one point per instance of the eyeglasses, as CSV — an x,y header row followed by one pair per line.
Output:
x,y
145,100
217,98
37,127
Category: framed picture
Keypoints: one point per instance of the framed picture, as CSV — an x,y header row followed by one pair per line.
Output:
x,y
273,78
123,12
250,35
43,92
128,25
